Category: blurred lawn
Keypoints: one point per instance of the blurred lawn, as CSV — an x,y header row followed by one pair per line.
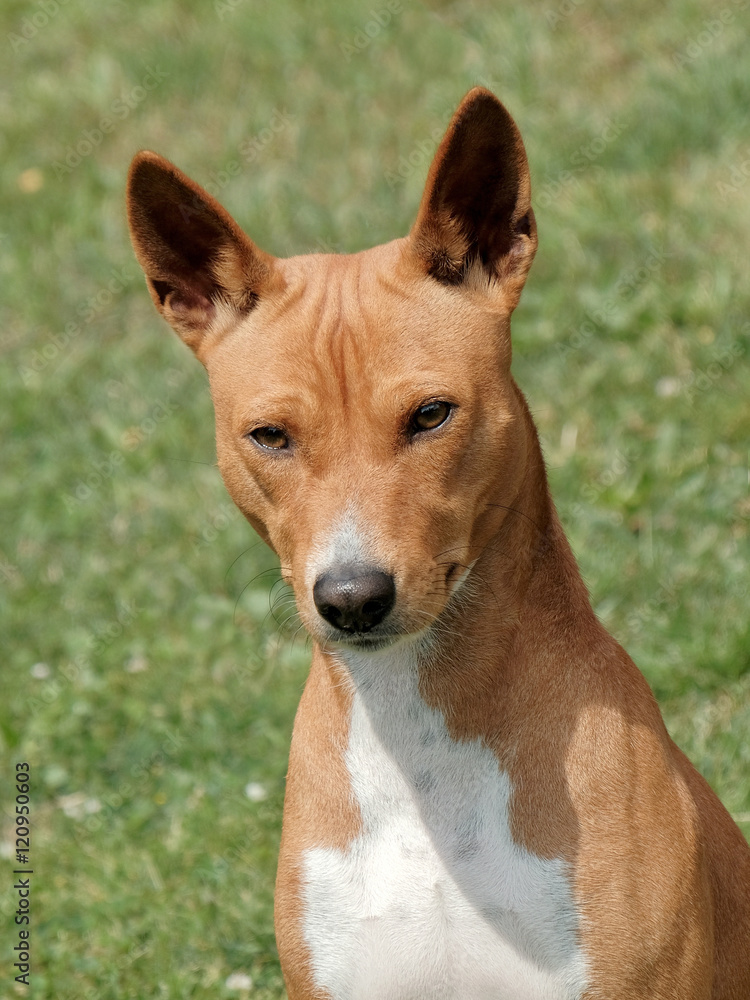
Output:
x,y
145,676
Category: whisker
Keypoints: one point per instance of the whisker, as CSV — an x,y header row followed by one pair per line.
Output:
x,y
500,506
300,628
512,510
284,620
243,553
274,569
286,625
282,603
473,575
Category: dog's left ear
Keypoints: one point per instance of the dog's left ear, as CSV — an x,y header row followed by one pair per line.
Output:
x,y
476,207
201,269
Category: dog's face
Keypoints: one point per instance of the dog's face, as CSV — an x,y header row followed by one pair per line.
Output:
x,y
365,419
367,424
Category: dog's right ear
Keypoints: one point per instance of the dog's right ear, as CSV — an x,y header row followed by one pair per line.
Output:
x,y
201,269
476,215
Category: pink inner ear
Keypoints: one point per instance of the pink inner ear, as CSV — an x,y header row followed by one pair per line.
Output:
x,y
186,305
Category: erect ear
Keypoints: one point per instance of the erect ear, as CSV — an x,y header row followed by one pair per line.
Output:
x,y
201,269
476,207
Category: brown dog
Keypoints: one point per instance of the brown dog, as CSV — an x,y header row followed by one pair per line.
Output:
x,y
482,799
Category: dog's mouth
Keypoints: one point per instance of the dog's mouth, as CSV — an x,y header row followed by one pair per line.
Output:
x,y
364,642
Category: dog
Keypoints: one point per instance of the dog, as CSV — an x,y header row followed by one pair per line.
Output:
x,y
482,799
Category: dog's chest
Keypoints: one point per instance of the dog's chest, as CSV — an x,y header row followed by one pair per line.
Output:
x,y
433,899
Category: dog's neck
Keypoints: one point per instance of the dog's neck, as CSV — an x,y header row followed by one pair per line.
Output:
x,y
526,573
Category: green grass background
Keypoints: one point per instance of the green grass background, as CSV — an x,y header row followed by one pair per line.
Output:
x,y
144,674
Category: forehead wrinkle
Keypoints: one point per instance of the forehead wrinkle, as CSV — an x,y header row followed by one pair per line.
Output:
x,y
340,344
319,324
365,326
372,344
345,318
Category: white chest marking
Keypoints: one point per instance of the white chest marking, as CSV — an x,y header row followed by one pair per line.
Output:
x,y
434,900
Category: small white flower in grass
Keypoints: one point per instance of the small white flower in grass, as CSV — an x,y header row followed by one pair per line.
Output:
x,y
239,981
31,180
41,671
136,665
78,804
668,386
255,791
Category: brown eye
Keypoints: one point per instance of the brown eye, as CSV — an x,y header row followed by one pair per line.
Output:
x,y
270,437
430,416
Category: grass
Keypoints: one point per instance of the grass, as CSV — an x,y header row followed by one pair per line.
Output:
x,y
145,677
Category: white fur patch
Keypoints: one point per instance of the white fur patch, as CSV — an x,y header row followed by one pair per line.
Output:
x,y
346,545
434,900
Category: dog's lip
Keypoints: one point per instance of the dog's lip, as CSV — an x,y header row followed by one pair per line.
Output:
x,y
363,641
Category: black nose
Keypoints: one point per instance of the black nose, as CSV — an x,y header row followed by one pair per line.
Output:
x,y
354,598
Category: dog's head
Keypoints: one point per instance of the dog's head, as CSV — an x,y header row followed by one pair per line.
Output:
x,y
366,421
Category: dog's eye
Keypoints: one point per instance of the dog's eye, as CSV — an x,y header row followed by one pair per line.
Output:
x,y
270,437
430,416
